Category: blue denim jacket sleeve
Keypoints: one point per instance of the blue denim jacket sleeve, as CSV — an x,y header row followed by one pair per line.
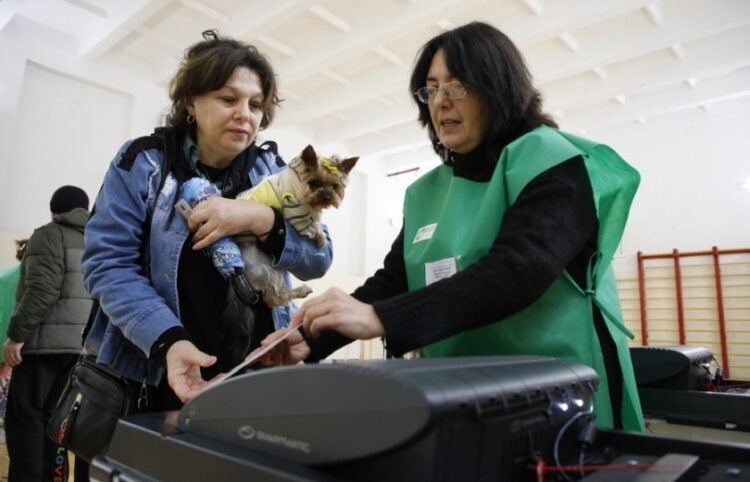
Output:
x,y
111,260
302,257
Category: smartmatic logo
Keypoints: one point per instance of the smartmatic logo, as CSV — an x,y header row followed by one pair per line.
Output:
x,y
248,433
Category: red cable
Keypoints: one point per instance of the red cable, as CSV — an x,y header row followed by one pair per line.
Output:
x,y
541,468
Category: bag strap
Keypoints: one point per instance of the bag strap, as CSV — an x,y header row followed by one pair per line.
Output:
x,y
273,148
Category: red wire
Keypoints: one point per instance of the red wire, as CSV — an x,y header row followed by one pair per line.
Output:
x,y
541,468
589,468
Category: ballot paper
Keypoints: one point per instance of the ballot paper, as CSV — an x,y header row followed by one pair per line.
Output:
x,y
254,356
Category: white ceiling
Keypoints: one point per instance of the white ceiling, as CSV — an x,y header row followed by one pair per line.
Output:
x,y
344,65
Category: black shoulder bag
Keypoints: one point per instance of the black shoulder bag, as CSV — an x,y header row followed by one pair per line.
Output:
x,y
88,409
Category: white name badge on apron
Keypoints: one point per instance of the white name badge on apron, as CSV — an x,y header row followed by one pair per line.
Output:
x,y
424,233
438,270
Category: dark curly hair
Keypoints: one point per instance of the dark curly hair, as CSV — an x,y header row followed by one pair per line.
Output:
x,y
207,65
487,62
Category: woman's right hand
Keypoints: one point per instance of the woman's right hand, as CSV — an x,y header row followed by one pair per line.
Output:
x,y
289,352
12,352
184,363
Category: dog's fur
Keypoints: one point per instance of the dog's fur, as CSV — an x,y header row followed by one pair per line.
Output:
x,y
301,191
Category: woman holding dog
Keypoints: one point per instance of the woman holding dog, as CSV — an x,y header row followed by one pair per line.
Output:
x,y
506,247
161,299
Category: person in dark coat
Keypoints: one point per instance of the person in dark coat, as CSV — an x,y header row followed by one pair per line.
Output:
x,y
44,336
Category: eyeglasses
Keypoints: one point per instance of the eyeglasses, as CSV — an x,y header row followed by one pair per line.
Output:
x,y
452,90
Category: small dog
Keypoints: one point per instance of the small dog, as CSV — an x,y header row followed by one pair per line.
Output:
x,y
308,185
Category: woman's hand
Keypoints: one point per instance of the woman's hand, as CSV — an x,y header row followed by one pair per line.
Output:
x,y
289,352
336,310
184,362
218,217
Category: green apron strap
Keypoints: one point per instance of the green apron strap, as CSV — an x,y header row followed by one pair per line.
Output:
x,y
590,292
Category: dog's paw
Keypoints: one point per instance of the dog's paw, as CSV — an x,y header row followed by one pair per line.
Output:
x,y
301,291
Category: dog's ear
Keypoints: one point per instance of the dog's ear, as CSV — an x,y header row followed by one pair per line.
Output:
x,y
347,164
309,156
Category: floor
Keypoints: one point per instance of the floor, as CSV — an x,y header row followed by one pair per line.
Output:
x,y
3,454
3,463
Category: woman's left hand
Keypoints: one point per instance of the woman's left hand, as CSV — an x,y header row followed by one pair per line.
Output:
x,y
184,362
336,310
218,217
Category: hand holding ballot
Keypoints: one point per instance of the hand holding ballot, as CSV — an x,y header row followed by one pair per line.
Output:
x,y
333,311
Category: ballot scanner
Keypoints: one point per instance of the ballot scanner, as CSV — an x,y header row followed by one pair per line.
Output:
x,y
468,419
676,383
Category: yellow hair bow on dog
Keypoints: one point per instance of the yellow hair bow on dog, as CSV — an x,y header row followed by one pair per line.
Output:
x,y
326,162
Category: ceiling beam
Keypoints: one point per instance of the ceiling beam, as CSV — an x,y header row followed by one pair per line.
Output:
x,y
331,18
207,10
704,21
392,22
124,18
368,85
662,101
400,138
332,99
660,68
401,113
89,7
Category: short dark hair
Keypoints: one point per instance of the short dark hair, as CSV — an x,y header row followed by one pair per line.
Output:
x,y
487,62
207,65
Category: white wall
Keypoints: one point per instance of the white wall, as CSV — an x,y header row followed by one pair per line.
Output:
x,y
691,196
61,122
66,131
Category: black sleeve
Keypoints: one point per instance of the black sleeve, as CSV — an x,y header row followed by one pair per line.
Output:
x,y
548,226
328,342
388,281
167,339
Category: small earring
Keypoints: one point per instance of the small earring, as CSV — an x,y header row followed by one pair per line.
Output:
x,y
190,118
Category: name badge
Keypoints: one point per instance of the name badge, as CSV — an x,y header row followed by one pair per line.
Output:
x,y
438,270
424,233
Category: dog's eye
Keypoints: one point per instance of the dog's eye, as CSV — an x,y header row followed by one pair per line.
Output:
x,y
315,184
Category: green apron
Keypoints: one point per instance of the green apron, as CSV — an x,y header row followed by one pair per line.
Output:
x,y
440,238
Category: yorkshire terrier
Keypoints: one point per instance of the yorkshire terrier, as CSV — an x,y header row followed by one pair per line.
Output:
x,y
308,185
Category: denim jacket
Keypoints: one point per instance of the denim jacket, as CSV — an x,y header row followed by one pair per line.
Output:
x,y
136,310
